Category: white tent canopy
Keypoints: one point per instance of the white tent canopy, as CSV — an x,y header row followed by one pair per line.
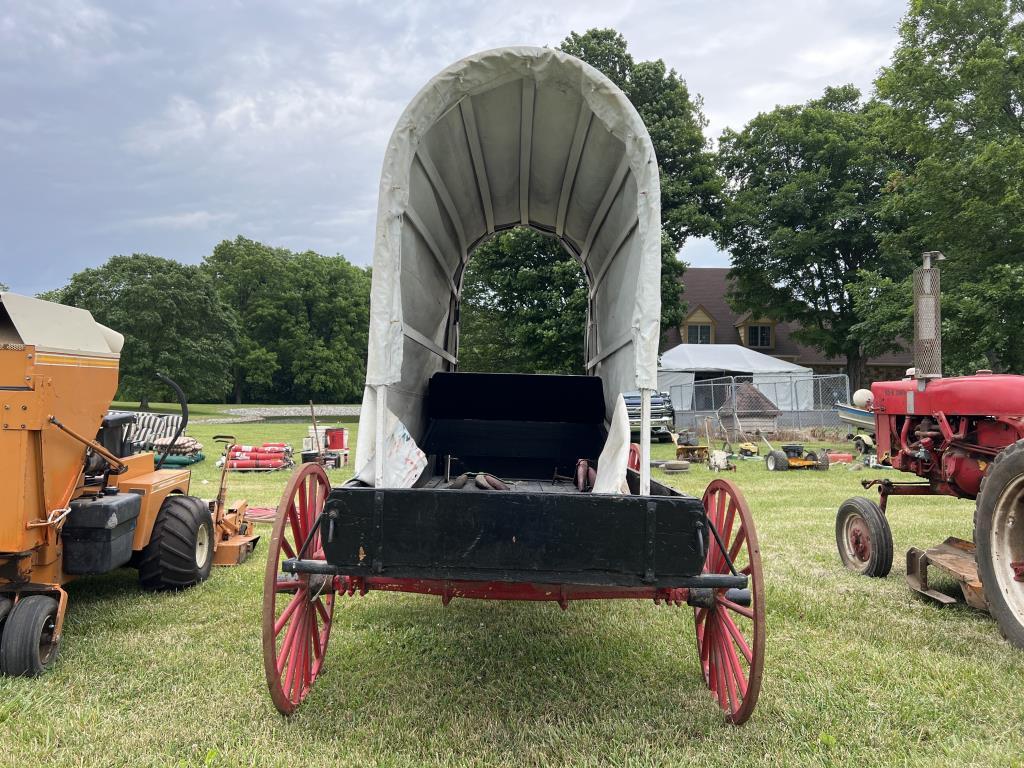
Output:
x,y
787,385
725,359
511,137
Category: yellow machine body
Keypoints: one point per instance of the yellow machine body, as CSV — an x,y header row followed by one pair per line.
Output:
x,y
48,393
58,376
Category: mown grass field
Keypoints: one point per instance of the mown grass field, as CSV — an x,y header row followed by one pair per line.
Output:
x,y
859,672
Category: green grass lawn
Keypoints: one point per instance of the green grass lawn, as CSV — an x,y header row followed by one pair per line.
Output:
x,y
858,671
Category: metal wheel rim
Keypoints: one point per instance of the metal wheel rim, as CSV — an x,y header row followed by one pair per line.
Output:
x,y
47,648
304,623
854,527
771,463
1006,544
735,684
202,545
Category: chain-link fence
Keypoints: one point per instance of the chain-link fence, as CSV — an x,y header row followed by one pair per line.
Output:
x,y
763,402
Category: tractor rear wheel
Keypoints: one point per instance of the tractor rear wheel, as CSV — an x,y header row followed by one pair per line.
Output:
x,y
180,550
823,462
863,537
999,538
776,461
28,647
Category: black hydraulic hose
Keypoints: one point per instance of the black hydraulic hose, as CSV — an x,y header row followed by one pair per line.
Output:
x,y
184,416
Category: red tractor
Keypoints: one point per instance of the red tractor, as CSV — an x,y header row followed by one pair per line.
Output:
x,y
965,437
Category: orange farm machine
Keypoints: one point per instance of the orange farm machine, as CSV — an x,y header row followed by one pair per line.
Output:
x,y
74,499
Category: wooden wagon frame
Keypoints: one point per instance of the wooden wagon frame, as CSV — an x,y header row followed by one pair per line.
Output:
x,y
512,137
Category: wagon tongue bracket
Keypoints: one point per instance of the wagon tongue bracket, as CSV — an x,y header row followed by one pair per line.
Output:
x,y
1018,570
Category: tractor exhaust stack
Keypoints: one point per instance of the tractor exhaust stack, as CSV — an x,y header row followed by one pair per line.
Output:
x,y
928,319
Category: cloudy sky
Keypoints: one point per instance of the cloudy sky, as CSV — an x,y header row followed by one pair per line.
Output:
x,y
165,128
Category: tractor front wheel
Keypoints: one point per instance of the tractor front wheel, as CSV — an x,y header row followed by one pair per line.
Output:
x,y
863,537
180,550
28,646
999,538
776,461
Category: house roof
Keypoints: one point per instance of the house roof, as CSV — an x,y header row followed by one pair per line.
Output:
x,y
708,286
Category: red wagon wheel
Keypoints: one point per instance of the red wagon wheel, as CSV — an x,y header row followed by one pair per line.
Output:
x,y
297,608
730,634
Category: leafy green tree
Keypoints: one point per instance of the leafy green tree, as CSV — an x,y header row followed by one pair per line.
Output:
x,y
302,321
3,287
802,219
500,304
253,281
173,323
956,88
525,309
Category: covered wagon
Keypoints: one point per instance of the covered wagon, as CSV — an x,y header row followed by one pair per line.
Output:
x,y
512,486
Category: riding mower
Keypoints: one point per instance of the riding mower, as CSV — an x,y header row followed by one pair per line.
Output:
x,y
793,456
71,505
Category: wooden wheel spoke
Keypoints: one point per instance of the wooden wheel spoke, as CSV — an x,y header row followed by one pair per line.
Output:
x,y
324,616
734,550
735,668
737,636
725,531
286,614
295,521
727,672
300,508
317,650
294,642
287,548
742,610
287,585
720,687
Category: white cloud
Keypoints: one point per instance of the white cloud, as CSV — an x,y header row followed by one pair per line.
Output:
x,y
183,122
162,127
184,220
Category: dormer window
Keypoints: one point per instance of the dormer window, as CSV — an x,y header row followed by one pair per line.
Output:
x,y
698,333
759,336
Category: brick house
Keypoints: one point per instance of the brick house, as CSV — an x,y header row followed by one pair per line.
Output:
x,y
710,320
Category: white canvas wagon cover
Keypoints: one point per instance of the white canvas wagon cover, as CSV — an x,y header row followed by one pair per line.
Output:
x,y
511,137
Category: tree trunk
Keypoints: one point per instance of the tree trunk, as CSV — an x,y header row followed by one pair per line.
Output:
x,y
857,370
144,403
238,388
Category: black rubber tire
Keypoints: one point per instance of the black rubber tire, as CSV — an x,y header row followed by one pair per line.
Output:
x,y
879,562
776,461
823,463
169,561
5,608
27,648
1004,475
